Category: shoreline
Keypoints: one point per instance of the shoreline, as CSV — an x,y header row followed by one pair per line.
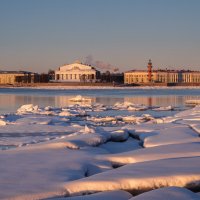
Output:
x,y
92,87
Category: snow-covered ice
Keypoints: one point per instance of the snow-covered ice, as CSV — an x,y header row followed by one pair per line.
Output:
x,y
168,193
111,195
79,98
54,153
140,177
193,102
154,153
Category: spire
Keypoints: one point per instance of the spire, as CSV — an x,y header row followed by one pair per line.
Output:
x,y
149,63
149,67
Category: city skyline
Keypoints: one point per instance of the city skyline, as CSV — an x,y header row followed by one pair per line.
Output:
x,y
41,35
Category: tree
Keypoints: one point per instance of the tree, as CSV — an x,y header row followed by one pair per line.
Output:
x,y
51,74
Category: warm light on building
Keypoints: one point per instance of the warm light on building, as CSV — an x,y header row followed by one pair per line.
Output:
x,y
160,76
76,72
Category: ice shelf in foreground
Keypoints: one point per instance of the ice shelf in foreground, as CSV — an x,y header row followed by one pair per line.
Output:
x,y
68,154
111,195
154,153
168,193
140,177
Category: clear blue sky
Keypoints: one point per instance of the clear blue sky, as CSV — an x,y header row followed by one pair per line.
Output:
x,y
37,35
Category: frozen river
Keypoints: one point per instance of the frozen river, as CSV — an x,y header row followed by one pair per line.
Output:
x,y
66,142
13,98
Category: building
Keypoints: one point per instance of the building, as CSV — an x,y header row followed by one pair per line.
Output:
x,y
76,72
190,77
160,76
14,77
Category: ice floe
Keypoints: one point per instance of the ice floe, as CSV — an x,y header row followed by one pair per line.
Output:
x,y
168,193
111,195
79,98
154,153
129,106
140,177
193,102
39,171
163,108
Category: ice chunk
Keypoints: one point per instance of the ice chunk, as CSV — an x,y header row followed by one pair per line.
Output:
x,y
87,137
65,113
40,171
111,195
27,108
129,106
174,135
163,108
2,122
138,177
168,193
79,98
154,153
193,102
87,130
131,118
101,119
119,135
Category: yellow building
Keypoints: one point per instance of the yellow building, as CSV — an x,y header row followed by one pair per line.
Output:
x,y
136,77
160,76
13,77
191,77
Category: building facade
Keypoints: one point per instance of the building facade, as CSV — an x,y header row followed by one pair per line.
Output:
x,y
14,77
190,77
76,72
160,76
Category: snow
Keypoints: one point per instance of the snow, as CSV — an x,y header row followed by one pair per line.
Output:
x,y
40,170
163,134
55,152
89,137
79,98
101,119
168,193
116,195
27,108
2,122
193,101
163,108
129,106
119,147
154,153
140,177
175,135
119,135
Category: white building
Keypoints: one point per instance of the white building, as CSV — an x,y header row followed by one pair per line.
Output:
x,y
76,72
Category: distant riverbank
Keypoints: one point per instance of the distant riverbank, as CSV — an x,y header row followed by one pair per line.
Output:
x,y
79,85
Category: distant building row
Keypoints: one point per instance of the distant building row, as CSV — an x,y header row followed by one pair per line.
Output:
x,y
78,72
160,76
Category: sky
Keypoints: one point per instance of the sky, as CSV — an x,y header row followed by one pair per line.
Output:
x,y
38,35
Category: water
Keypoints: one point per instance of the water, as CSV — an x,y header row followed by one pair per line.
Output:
x,y
13,98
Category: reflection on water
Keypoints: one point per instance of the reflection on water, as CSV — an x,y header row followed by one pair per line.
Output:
x,y
177,101
10,102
